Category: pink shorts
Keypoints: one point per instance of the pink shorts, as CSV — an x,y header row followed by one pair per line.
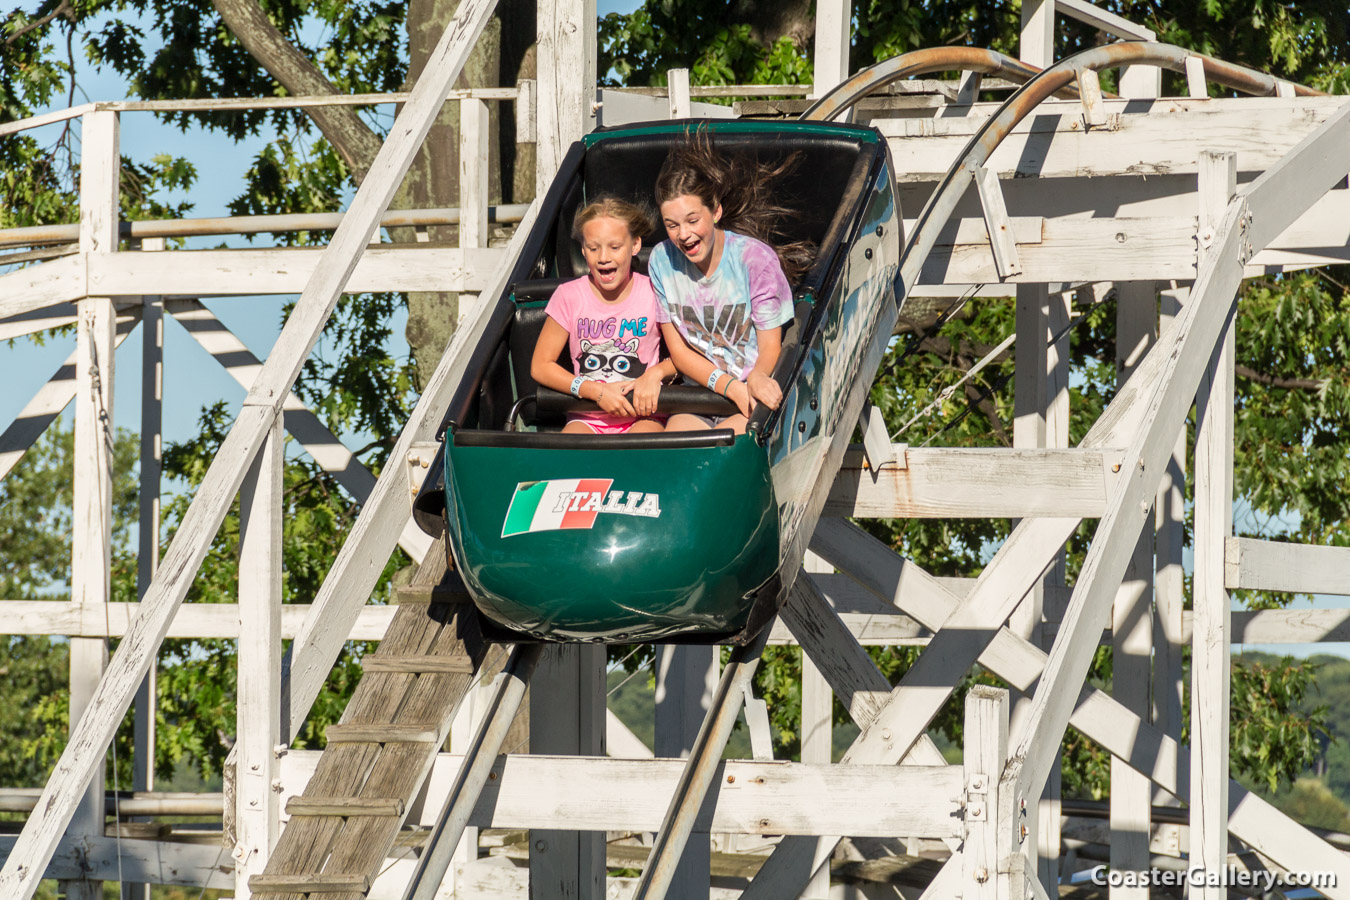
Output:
x,y
608,426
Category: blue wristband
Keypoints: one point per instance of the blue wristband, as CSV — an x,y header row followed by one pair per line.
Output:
x,y
712,379
576,385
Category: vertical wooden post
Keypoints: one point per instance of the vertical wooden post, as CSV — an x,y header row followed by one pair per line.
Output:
x,y
834,20
259,683
91,531
686,679
1210,674
985,755
565,81
677,82
147,556
1132,620
1037,44
1169,589
1041,419
817,718
473,185
567,716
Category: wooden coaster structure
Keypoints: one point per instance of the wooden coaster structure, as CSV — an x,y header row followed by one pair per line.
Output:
x,y
1028,224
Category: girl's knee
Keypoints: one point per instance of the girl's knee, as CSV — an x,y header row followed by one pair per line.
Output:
x,y
646,426
686,422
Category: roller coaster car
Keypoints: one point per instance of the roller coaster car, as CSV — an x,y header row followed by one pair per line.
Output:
x,y
692,537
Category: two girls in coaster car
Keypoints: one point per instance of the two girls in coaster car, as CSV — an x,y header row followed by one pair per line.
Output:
x,y
717,289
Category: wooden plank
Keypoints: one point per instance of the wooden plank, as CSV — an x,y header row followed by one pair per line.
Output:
x,y
46,405
309,884
829,62
91,526
1132,620
1277,566
525,111
1090,94
1210,652
598,794
153,862
1077,249
258,714
38,320
817,703
998,224
211,273
975,482
439,665
213,620
354,733
1104,20
345,806
1159,138
677,83
986,754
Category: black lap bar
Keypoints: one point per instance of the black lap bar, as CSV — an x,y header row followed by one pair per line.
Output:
x,y
675,398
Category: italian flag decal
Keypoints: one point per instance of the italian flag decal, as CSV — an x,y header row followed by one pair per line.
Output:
x,y
572,503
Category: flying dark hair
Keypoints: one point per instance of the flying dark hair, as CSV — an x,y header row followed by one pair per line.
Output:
x,y
745,187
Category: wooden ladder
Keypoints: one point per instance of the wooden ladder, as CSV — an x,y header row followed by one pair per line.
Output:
x,y
344,825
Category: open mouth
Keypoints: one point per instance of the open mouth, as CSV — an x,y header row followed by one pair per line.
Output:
x,y
607,274
692,248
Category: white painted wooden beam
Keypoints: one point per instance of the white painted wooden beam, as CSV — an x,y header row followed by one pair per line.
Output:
x,y
566,52
834,21
1132,620
975,482
526,113
151,862
677,82
998,224
258,726
473,186
1104,19
1212,639
1037,44
748,797
1277,566
206,273
1090,94
1165,140
91,519
986,755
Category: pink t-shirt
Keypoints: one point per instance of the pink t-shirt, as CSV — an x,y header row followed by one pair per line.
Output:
x,y
608,341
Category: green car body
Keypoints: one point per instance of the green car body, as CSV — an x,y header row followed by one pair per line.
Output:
x,y
625,545
675,537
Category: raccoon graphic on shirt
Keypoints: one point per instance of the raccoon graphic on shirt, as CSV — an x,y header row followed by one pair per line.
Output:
x,y
610,361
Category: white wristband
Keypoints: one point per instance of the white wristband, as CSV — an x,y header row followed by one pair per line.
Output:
x,y
712,379
576,385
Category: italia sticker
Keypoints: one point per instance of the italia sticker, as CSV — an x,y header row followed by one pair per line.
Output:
x,y
572,503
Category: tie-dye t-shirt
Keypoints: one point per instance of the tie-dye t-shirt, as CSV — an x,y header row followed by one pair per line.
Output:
x,y
608,341
718,315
